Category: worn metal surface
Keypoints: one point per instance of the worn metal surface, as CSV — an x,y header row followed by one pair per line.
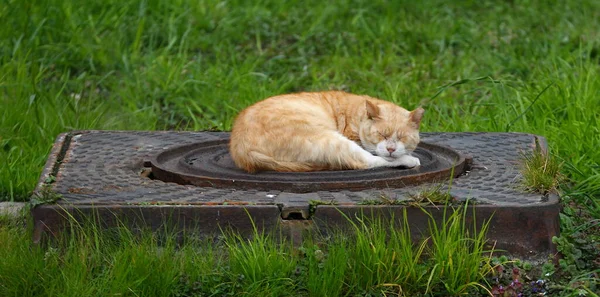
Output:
x,y
107,171
106,167
524,230
209,164
211,221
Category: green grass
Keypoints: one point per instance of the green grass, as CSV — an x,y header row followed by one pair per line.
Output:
x,y
433,194
375,257
193,65
524,66
541,173
458,250
324,268
385,256
264,266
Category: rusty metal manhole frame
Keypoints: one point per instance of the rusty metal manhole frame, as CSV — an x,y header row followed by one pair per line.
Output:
x,y
97,174
173,165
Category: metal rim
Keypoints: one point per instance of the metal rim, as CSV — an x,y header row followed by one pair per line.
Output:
x,y
178,164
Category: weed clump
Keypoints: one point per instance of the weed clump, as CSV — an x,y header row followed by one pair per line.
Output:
x,y
433,195
429,195
541,172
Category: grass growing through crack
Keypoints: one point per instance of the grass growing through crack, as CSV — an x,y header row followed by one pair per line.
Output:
x,y
432,195
541,172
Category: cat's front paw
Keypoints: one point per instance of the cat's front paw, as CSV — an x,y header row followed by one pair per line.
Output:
x,y
415,162
411,162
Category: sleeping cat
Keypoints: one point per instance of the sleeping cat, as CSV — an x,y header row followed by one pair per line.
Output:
x,y
324,131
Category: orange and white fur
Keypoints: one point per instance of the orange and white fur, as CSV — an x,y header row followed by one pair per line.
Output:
x,y
324,131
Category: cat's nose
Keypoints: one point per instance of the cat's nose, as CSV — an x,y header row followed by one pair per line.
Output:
x,y
391,149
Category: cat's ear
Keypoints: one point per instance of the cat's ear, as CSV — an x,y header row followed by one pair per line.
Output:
x,y
372,110
416,116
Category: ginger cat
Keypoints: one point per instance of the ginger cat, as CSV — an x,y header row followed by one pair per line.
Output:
x,y
324,131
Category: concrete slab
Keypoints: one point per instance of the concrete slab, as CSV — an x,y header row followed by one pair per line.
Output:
x,y
12,209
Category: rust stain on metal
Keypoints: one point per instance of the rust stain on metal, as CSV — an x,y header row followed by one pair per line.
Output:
x,y
57,153
235,203
54,219
520,230
73,190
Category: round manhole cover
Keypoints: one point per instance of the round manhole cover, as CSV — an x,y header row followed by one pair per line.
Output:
x,y
209,164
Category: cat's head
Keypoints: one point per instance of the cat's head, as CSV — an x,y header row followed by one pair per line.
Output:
x,y
390,131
